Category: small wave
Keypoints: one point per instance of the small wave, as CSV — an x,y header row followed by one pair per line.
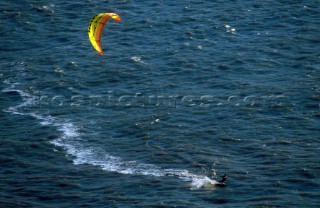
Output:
x,y
229,29
82,153
138,59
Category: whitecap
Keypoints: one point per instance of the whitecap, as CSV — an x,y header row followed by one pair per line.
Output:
x,y
138,59
230,29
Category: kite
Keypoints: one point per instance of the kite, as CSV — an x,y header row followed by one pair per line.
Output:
x,y
96,27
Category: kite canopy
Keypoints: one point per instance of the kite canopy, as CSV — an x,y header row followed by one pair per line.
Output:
x,y
96,27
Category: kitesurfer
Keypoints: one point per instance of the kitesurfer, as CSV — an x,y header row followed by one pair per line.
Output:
x,y
222,181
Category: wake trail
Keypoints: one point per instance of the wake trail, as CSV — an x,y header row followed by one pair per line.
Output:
x,y
70,140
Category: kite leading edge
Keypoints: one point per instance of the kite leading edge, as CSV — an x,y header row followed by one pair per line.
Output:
x,y
96,26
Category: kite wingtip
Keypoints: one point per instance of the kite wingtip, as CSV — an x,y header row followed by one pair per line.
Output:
x,y
115,17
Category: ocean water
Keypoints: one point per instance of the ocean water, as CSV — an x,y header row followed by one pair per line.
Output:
x,y
186,92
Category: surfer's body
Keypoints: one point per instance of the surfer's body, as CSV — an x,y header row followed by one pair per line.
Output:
x,y
222,181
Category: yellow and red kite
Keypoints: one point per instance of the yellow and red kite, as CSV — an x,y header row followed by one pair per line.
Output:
x,y
96,27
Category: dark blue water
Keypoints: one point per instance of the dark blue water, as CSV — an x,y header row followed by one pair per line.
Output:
x,y
186,92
